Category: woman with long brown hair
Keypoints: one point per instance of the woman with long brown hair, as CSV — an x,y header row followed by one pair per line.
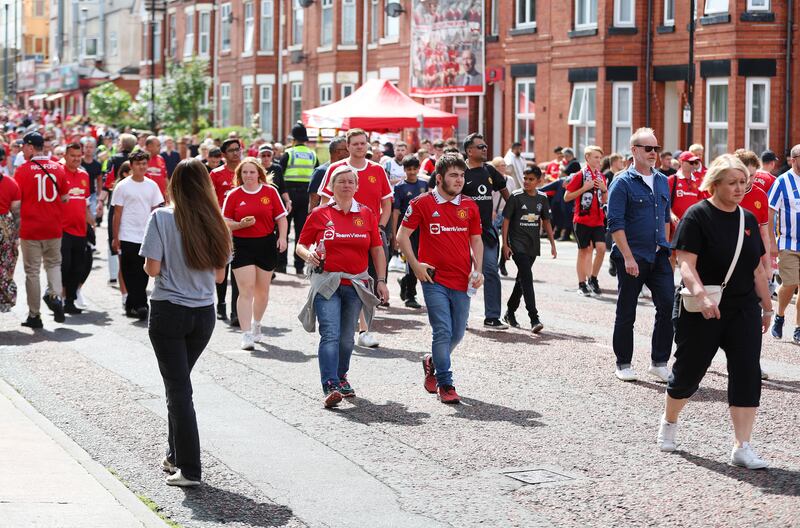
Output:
x,y
186,248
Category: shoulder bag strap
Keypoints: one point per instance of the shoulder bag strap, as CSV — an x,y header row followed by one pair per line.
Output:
x,y
50,176
738,248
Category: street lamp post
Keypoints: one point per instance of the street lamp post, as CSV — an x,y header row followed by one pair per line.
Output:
x,y
5,58
690,77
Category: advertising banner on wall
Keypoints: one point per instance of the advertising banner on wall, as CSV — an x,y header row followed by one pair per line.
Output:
x,y
447,48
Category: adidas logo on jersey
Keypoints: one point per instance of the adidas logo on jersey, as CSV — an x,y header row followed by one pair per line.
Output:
x,y
329,224
435,214
243,203
524,206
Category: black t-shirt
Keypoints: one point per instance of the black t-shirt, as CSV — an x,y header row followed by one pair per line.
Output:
x,y
572,167
711,234
478,185
524,213
277,177
317,176
94,169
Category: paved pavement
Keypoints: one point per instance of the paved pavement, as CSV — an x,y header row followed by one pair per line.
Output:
x,y
546,436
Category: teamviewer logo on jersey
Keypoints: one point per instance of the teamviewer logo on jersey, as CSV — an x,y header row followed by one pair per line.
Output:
x,y
435,229
328,234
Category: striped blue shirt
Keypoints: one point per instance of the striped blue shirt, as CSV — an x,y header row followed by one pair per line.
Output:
x,y
784,198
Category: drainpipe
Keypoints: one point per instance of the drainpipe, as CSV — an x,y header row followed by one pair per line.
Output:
x,y
787,127
648,62
60,30
279,79
364,43
215,67
690,77
101,46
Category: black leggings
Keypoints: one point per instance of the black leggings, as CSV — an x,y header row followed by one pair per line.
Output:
x,y
738,333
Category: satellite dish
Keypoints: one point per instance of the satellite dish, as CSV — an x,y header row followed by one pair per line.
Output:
x,y
305,3
394,9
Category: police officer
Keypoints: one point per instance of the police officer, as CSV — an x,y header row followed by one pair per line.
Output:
x,y
298,164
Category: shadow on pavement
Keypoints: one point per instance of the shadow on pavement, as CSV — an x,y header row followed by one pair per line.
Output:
x,y
88,318
212,504
366,412
703,394
23,338
773,481
286,281
381,325
776,385
281,354
388,353
472,409
546,336
499,336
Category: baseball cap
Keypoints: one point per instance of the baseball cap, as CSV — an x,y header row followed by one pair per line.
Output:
x,y
33,138
215,152
264,148
687,157
768,156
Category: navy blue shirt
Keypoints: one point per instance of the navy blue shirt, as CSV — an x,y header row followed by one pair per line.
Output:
x,y
639,211
404,192
317,176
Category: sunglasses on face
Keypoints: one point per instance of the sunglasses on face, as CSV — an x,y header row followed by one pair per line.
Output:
x,y
232,150
480,147
649,148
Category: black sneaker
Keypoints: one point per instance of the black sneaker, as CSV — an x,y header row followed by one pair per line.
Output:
x,y
55,305
402,284
234,320
511,319
594,287
346,389
33,322
141,313
71,309
796,336
332,395
411,302
777,327
612,268
584,290
536,325
222,312
494,324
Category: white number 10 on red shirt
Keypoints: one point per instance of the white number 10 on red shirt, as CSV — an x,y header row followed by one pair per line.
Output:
x,y
42,187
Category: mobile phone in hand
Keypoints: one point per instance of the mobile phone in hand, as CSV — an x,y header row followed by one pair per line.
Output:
x,y
431,272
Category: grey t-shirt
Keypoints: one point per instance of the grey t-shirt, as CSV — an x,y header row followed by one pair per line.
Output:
x,y
177,283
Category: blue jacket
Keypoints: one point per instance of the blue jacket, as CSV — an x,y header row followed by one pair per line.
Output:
x,y
640,212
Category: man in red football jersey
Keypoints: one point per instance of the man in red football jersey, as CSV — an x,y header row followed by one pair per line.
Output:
x,y
156,166
75,216
42,187
763,178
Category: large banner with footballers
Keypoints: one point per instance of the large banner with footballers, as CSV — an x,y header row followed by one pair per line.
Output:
x,y
447,51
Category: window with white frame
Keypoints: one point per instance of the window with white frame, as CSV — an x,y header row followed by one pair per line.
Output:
x,y
156,41
526,14
582,116
347,89
585,14
204,33
297,101
716,118
247,106
113,44
38,8
249,27
525,113
715,7
225,26
756,136
326,36
90,47
348,22
373,21
266,38
669,12
621,112
297,23
224,104
624,13
461,109
391,25
265,109
173,35
188,39
325,94
758,5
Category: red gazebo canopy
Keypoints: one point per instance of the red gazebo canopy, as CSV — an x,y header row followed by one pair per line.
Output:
x,y
377,106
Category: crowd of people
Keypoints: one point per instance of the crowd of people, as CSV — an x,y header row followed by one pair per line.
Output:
x,y
451,218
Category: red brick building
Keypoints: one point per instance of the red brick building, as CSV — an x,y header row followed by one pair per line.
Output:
x,y
566,72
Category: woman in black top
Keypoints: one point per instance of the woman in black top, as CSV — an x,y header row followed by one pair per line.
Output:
x,y
706,243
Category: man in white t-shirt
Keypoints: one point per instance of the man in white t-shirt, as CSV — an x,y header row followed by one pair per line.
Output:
x,y
394,166
134,199
517,163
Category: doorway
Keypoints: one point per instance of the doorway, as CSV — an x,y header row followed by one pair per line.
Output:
x,y
672,114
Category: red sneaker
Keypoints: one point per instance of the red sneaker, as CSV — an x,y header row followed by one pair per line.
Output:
x,y
332,396
430,377
447,394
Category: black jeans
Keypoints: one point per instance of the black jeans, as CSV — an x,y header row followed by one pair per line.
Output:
x,y
132,267
179,335
73,257
88,259
523,286
298,193
658,277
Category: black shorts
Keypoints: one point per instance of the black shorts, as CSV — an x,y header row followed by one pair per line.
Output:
x,y
588,235
261,252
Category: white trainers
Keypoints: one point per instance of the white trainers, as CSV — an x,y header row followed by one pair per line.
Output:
x,y
666,436
248,343
747,458
660,373
256,331
177,479
80,302
626,374
395,264
367,339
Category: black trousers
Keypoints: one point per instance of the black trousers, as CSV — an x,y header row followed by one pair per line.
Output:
x,y
523,286
737,333
73,264
132,267
179,335
110,225
298,193
88,260
408,283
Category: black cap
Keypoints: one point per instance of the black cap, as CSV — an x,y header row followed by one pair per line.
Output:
x,y
33,138
299,133
768,156
215,152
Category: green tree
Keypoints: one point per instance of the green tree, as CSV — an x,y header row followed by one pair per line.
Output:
x,y
109,104
180,101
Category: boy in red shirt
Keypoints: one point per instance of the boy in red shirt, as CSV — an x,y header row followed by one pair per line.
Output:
x,y
42,188
450,247
684,188
589,186
74,218
156,166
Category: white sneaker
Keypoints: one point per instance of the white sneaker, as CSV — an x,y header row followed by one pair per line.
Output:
x,y
666,436
124,299
248,343
626,374
367,339
256,331
660,373
177,479
80,302
395,264
747,458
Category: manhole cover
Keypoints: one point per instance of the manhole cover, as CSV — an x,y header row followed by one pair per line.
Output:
x,y
537,476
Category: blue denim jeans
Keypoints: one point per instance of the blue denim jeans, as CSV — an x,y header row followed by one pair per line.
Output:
x,y
448,311
337,318
491,282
